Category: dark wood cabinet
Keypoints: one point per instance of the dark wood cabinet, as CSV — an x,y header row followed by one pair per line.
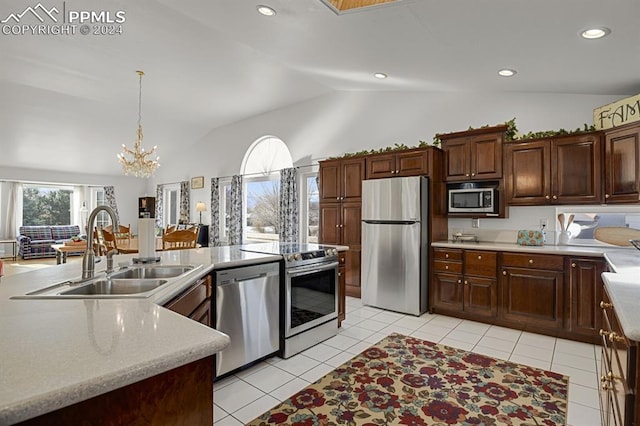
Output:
x,y
474,292
619,373
405,163
340,213
622,164
342,308
341,180
195,302
564,170
532,291
585,294
473,154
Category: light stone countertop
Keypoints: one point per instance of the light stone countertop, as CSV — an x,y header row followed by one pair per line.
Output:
x,y
55,353
623,286
569,250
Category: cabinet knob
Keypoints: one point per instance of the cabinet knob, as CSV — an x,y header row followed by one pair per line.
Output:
x,y
479,257
342,259
573,265
530,261
466,282
546,197
555,197
606,195
446,256
342,198
338,198
337,226
615,337
606,387
393,172
339,274
473,174
504,272
605,305
607,378
603,333
341,226
446,266
467,175
459,281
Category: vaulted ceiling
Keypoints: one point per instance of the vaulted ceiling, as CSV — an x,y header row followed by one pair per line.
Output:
x,y
69,102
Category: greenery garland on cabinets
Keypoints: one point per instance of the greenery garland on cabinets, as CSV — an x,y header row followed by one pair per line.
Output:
x,y
511,134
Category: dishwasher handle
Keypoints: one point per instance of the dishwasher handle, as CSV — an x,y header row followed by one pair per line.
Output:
x,y
249,278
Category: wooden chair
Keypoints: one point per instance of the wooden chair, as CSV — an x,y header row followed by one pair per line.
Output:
x,y
98,244
124,232
179,240
170,228
111,241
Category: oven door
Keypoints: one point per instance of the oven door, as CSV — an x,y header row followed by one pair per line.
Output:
x,y
311,296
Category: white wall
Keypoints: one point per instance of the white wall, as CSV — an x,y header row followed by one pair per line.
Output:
x,y
127,189
340,122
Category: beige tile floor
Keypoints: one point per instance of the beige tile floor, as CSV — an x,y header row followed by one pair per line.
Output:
x,y
241,397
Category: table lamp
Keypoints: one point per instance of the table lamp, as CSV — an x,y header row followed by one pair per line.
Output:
x,y
201,207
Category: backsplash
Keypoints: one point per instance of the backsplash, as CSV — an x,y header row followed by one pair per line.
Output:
x,y
587,219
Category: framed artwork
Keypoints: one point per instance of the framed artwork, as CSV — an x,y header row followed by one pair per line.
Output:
x,y
197,182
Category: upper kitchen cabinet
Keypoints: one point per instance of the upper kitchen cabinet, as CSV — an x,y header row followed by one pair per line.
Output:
x,y
473,154
413,162
621,164
341,180
564,170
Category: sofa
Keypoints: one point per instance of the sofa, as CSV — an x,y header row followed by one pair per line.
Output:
x,y
35,241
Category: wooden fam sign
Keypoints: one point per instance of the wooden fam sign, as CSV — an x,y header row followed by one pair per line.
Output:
x,y
617,113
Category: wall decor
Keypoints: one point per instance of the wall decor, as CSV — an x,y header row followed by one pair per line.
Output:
x,y
197,182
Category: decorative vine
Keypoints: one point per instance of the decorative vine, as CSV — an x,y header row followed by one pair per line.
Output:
x,y
511,134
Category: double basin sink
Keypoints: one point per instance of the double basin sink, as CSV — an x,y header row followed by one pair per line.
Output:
x,y
133,282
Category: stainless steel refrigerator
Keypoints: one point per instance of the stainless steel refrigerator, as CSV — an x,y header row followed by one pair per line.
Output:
x,y
394,244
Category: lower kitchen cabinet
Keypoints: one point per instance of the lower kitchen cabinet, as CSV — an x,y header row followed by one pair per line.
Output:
x,y
474,292
585,294
532,291
619,381
195,302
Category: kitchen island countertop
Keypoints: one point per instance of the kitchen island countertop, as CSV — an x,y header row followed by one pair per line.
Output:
x,y
55,353
623,287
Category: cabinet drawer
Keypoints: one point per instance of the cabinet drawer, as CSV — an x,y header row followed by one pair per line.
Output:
x,y
480,263
447,254
189,301
535,261
445,266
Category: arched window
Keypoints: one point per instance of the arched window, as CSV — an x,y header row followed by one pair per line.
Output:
x,y
266,155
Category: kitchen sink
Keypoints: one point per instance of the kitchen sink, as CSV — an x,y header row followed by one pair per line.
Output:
x,y
145,272
132,282
111,286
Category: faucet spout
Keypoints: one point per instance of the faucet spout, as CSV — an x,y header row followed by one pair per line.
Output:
x,y
89,258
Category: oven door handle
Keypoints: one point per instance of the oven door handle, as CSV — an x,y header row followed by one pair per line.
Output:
x,y
296,272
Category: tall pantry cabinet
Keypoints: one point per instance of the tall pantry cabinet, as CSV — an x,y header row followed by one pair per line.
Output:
x,y
340,213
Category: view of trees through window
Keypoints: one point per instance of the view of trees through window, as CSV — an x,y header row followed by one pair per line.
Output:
x,y
313,208
46,206
263,206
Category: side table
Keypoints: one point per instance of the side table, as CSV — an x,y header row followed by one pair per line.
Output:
x,y
14,244
203,236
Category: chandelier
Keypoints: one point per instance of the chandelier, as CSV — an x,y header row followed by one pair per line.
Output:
x,y
136,161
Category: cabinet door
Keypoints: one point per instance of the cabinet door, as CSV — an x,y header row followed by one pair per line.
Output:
x,y
203,314
352,272
352,175
342,305
576,172
480,296
381,166
621,168
527,173
330,181
329,232
486,156
414,163
532,298
586,292
480,263
351,224
457,158
447,292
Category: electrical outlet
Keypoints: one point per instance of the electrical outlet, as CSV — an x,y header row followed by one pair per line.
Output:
x,y
475,222
543,222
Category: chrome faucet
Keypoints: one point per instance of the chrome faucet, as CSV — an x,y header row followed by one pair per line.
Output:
x,y
89,258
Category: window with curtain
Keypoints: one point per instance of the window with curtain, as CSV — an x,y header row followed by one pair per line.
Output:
x,y
171,203
309,207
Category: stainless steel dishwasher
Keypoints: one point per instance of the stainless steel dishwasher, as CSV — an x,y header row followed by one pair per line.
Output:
x,y
248,311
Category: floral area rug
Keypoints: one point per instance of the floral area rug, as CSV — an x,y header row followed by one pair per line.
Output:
x,y
407,381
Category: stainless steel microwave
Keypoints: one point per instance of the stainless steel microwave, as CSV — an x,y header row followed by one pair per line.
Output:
x,y
472,200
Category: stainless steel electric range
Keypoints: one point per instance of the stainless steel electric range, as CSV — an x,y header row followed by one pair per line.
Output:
x,y
309,294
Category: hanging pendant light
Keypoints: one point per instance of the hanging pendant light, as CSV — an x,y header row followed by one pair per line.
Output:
x,y
137,161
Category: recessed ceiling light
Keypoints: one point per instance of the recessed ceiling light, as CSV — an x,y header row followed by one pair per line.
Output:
x,y
266,10
506,72
594,33
380,75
